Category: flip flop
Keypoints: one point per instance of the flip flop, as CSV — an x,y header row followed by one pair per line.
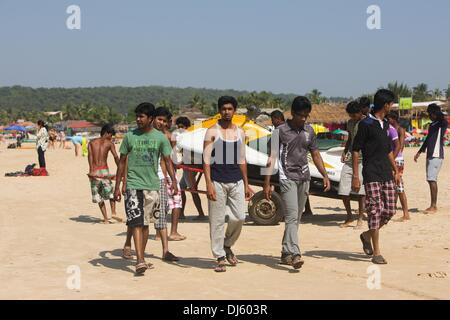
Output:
x,y
180,238
297,262
141,268
231,258
367,246
220,267
126,253
379,260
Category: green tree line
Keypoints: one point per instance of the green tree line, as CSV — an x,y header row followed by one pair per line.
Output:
x,y
116,104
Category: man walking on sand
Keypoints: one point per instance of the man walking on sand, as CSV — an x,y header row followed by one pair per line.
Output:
x,y
101,185
434,146
188,180
140,152
296,139
378,164
227,185
345,185
398,148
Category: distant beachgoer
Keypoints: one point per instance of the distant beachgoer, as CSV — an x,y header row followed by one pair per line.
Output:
x,y
365,104
345,185
101,185
62,140
378,164
434,145
139,153
227,185
296,139
277,118
52,138
188,180
400,162
77,142
42,142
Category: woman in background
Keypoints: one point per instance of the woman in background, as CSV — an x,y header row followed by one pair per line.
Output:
x,y
42,142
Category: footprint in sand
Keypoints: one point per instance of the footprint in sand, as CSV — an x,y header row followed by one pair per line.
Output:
x,y
439,275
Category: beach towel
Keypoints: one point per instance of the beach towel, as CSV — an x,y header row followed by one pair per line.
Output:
x,y
40,172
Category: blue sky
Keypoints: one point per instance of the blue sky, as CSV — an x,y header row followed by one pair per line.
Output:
x,y
281,46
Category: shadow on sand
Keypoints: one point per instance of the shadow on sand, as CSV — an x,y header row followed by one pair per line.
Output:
x,y
86,219
340,255
268,261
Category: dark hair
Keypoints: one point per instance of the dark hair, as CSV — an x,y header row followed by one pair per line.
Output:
x,y
162,112
353,107
226,100
277,114
183,121
106,129
433,108
145,108
393,115
382,97
42,124
364,102
436,110
301,103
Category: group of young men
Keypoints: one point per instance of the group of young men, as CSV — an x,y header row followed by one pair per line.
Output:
x,y
146,176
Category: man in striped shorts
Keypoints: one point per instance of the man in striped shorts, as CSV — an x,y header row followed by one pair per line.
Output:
x,y
378,165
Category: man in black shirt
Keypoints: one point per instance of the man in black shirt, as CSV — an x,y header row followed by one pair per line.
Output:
x,y
378,164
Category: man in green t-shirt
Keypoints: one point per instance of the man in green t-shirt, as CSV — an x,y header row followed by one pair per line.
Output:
x,y
142,147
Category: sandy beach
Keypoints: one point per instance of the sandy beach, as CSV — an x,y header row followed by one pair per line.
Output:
x,y
48,224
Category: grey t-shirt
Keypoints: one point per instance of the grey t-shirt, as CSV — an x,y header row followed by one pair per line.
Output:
x,y
352,128
294,148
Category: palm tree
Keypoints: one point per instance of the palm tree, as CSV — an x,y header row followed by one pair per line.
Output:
x,y
421,93
400,90
315,96
437,94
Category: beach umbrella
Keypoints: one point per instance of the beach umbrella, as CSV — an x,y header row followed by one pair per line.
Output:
x,y
15,128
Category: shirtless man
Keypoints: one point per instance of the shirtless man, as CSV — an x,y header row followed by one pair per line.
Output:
x,y
101,185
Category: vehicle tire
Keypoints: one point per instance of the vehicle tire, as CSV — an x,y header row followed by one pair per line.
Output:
x,y
264,212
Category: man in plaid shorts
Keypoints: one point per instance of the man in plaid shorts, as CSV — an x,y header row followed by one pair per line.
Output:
x,y
378,164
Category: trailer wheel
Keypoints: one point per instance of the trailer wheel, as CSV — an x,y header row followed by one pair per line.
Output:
x,y
264,212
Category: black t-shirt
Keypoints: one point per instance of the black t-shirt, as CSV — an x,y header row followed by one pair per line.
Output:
x,y
373,141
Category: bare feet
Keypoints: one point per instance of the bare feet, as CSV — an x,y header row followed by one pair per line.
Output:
x,y
176,237
347,223
431,210
403,219
117,218
106,222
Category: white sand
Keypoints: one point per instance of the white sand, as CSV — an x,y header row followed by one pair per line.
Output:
x,y
49,223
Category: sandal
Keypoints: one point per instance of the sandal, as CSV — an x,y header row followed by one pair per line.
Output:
x,y
169,257
177,238
220,267
379,260
141,268
367,245
126,253
231,258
